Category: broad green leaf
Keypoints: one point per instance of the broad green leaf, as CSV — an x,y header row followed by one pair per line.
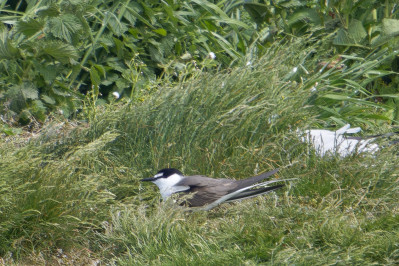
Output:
x,y
155,53
16,98
100,69
356,31
390,27
51,11
30,27
306,15
29,92
62,52
48,99
38,109
7,49
122,84
354,36
60,92
48,71
343,38
292,3
64,26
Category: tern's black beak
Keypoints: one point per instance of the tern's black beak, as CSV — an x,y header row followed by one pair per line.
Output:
x,y
148,179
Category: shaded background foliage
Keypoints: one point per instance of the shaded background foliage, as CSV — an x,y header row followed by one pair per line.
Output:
x,y
60,55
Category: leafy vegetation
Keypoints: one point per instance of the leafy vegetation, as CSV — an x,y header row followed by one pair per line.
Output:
x,y
52,52
55,56
72,195
70,192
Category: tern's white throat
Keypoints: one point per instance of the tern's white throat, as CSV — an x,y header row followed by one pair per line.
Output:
x,y
167,185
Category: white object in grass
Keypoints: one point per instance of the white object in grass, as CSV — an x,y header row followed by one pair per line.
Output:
x,y
211,55
116,95
336,142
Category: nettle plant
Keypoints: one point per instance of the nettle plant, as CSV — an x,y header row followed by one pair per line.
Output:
x,y
53,52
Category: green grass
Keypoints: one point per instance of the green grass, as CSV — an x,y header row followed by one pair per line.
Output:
x,y
71,194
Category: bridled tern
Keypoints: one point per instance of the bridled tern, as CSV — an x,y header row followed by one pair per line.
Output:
x,y
208,191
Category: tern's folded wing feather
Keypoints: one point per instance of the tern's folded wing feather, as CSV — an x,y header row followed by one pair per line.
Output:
x,y
203,181
206,190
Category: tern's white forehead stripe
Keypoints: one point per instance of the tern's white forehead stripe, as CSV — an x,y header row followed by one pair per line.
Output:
x,y
158,175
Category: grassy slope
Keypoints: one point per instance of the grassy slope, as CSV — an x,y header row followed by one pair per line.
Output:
x,y
75,187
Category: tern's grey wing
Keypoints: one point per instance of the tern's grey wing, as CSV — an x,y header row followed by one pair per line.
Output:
x,y
206,190
203,181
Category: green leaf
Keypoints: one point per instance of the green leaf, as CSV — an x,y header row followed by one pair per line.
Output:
x,y
7,49
160,31
122,84
50,11
94,76
306,15
30,27
48,99
100,69
38,110
357,31
211,8
155,53
62,52
64,26
136,14
29,92
354,36
390,27
117,26
258,12
292,4
49,72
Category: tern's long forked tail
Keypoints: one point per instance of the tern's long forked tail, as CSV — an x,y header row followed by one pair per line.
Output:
x,y
253,180
254,192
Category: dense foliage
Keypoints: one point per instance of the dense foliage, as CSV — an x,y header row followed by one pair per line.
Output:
x,y
62,56
220,88
71,194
